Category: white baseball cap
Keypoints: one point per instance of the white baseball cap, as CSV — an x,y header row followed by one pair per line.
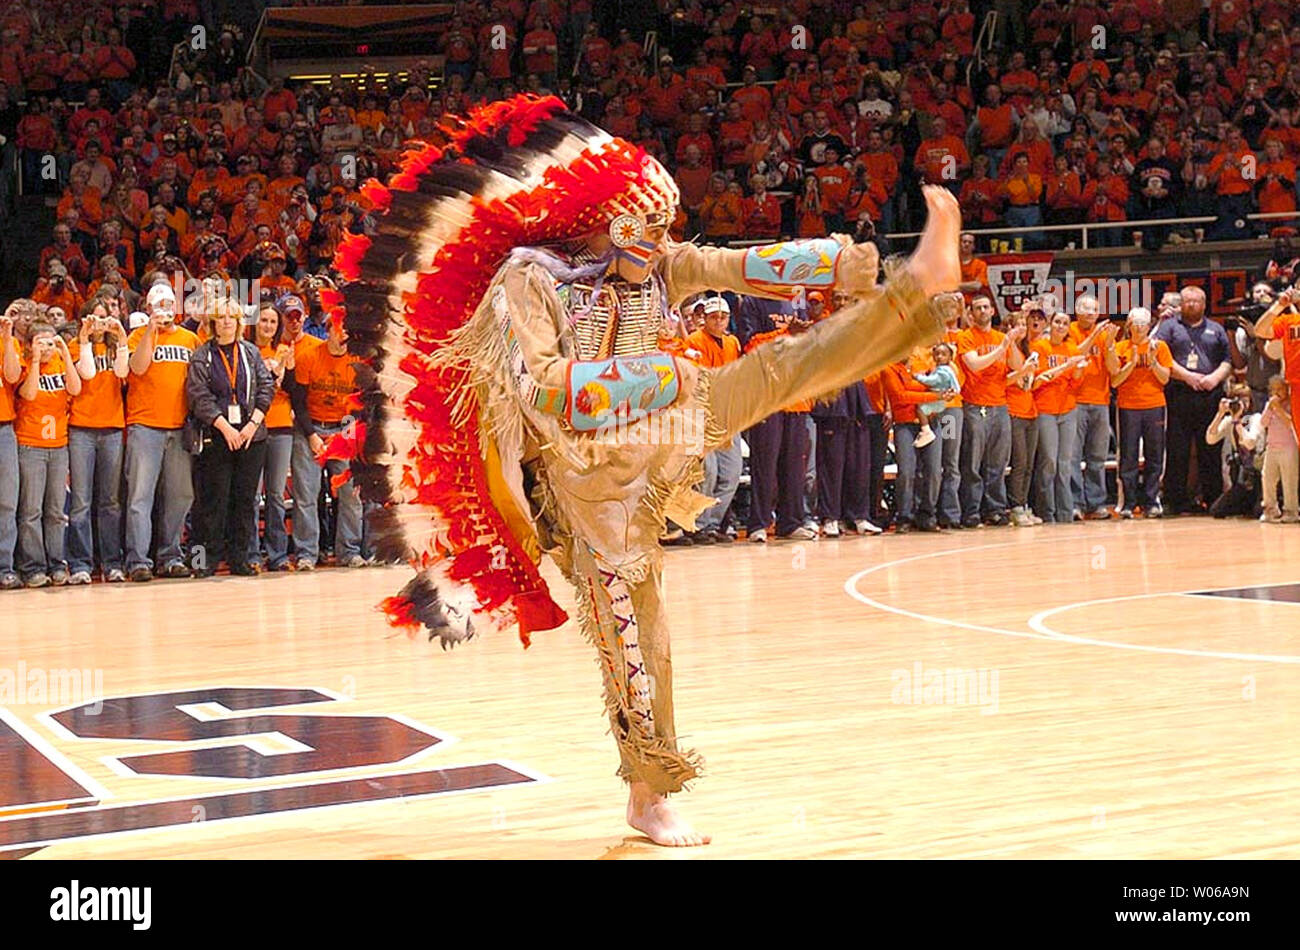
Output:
x,y
716,305
160,293
137,320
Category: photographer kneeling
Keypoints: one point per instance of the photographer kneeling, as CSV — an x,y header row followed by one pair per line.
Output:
x,y
1236,425
230,390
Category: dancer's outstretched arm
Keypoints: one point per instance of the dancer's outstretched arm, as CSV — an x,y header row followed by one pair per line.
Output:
x,y
772,270
850,345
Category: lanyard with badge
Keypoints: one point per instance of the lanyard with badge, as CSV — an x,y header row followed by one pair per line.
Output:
x,y
233,413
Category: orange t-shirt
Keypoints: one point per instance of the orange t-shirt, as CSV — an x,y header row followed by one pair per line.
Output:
x,y
1286,328
903,392
1020,400
1056,397
280,415
1273,195
987,387
1094,388
330,381
714,353
306,344
973,270
1232,180
32,427
8,393
99,405
157,399
1142,390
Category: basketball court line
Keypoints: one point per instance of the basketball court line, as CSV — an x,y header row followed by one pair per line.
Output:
x,y
1039,629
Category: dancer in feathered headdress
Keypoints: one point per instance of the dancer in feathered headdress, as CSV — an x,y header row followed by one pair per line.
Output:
x,y
520,398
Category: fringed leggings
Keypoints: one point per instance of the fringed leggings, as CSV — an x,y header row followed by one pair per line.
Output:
x,y
625,619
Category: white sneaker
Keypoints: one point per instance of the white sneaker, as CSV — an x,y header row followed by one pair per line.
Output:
x,y
866,527
1034,519
79,577
831,529
924,439
759,536
801,533
1291,518
1021,518
1272,517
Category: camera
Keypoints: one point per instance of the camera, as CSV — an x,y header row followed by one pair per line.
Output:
x,y
1236,405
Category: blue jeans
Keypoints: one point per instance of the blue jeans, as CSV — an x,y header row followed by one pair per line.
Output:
x,y
1144,427
917,486
95,466
1091,443
275,475
306,489
156,461
948,428
8,497
42,491
721,477
1055,453
985,452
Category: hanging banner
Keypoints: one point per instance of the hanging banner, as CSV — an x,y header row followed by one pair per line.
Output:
x,y
1014,278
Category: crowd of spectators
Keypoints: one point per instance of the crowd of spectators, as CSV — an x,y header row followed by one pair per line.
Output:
x,y
1016,424
799,119
119,429
793,120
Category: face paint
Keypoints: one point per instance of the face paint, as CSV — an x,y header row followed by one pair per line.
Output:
x,y
638,254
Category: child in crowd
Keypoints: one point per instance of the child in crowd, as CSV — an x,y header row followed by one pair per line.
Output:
x,y
1281,455
942,380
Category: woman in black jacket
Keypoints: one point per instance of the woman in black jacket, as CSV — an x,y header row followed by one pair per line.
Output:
x,y
230,390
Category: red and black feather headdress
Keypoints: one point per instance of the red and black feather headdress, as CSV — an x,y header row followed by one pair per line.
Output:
x,y
521,172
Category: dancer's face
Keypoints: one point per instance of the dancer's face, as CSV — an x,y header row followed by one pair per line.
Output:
x,y
635,263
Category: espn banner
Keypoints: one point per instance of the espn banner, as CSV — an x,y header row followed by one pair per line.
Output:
x,y
1015,278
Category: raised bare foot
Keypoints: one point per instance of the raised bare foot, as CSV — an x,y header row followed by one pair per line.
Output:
x,y
657,819
935,262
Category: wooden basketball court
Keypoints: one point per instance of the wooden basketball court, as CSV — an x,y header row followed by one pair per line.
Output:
x,y
1119,689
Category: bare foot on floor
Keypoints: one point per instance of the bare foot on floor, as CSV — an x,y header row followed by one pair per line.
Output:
x,y
935,262
657,819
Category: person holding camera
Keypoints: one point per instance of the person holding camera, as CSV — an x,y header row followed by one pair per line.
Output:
x,y
1280,325
49,382
58,289
156,409
1238,429
1248,352
229,389
10,373
95,445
